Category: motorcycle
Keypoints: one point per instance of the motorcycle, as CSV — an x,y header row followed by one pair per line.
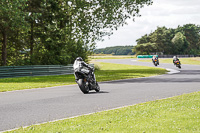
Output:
x,y
177,63
155,62
87,82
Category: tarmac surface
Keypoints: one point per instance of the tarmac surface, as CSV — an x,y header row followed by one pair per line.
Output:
x,y
28,107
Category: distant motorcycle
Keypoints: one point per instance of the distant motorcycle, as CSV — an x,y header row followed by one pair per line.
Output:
x,y
155,62
87,82
177,63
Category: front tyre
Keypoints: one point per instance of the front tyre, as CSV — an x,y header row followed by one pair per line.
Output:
x,y
83,86
97,89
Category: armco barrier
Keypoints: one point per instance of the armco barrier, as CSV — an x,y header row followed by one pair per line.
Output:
x,y
167,56
180,56
146,56
35,70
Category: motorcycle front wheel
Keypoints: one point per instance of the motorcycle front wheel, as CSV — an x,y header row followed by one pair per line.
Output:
x,y
97,89
83,86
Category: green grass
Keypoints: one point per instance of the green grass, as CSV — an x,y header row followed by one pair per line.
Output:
x,y
110,71
107,72
10,84
172,115
191,61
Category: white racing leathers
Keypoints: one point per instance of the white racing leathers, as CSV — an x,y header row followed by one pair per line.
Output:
x,y
80,66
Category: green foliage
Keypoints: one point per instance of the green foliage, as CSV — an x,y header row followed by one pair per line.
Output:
x,y
192,34
57,31
116,50
180,43
143,39
12,20
145,48
182,40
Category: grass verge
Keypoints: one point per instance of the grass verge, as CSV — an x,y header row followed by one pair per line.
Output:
x,y
107,72
110,71
190,61
172,115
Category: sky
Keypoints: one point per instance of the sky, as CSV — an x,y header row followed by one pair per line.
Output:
x,y
168,13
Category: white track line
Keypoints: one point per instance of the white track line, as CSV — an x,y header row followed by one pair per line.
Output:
x,y
172,71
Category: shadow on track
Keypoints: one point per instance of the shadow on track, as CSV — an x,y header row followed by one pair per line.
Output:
x,y
93,92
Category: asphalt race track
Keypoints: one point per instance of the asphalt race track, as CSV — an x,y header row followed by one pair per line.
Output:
x,y
27,107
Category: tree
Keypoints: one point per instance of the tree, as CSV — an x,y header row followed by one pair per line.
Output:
x,y
80,21
180,43
116,50
143,39
50,31
192,34
182,40
145,48
35,10
12,19
158,37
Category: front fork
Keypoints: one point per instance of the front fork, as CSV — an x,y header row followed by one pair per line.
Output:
x,y
94,77
86,83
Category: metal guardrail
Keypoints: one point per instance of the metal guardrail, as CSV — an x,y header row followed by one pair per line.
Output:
x,y
146,56
171,56
167,56
35,70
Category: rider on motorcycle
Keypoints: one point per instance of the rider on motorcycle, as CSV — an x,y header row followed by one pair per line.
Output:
x,y
175,58
79,66
155,58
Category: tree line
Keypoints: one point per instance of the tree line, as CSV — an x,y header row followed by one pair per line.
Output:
x,y
45,32
181,40
116,50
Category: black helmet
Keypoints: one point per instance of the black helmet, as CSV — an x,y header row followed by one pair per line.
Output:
x,y
79,59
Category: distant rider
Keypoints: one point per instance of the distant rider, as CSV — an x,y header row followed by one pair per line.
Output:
x,y
79,66
155,58
175,58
